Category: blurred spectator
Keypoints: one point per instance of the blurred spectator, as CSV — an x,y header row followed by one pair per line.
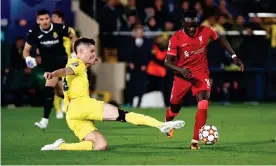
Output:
x,y
223,22
151,25
251,54
179,12
161,13
17,60
131,7
139,50
199,11
169,26
255,23
149,12
223,10
212,22
239,23
109,21
236,92
156,69
209,9
238,26
132,20
18,78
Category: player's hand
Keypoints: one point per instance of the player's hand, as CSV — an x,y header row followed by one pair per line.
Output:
x,y
30,62
186,73
238,62
48,75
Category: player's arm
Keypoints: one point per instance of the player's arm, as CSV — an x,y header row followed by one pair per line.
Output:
x,y
59,73
223,41
227,46
30,61
170,62
171,58
72,68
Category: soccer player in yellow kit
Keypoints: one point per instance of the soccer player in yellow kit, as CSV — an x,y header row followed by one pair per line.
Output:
x,y
58,18
81,110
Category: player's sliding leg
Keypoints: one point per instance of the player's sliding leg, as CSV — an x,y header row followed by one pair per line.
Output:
x,y
201,116
94,140
48,103
112,113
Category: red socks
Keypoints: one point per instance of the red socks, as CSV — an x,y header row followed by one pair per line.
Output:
x,y
200,118
170,115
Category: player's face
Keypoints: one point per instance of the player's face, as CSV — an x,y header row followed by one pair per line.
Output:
x,y
56,19
190,26
88,55
44,21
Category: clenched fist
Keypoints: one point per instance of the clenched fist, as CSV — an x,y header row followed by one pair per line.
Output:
x,y
48,75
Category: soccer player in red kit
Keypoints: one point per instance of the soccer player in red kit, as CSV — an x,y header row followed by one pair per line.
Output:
x,y
186,55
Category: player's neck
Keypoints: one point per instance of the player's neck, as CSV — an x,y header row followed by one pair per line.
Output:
x,y
49,28
195,35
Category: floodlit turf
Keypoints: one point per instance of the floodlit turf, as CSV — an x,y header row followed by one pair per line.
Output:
x,y
247,136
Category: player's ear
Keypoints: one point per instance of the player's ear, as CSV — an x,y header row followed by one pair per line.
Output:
x,y
80,51
37,21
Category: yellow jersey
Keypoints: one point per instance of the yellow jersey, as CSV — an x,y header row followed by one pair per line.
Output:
x,y
68,44
77,85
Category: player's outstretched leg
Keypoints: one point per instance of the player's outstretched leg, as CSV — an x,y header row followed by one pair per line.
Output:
x,y
92,141
48,103
112,113
201,116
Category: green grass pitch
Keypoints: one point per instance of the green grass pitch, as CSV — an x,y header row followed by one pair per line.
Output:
x,y
247,136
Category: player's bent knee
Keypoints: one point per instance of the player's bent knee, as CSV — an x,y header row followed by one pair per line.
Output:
x,y
100,146
203,105
98,140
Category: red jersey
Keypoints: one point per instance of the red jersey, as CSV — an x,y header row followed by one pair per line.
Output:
x,y
191,51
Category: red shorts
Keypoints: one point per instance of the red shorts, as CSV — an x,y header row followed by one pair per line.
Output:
x,y
181,87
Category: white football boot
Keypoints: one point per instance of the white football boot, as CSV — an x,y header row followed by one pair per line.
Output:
x,y
59,115
53,146
168,126
42,124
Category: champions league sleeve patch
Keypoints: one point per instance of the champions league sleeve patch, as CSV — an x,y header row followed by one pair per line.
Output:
x,y
75,64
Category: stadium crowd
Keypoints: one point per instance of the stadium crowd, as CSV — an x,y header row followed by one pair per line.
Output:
x,y
143,31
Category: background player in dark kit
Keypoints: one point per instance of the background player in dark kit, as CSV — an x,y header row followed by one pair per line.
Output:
x,y
48,37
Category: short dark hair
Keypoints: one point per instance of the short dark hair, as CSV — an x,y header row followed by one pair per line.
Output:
x,y
58,13
42,12
190,14
83,40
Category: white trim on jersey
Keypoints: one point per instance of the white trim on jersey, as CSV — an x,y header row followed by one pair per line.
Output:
x,y
52,27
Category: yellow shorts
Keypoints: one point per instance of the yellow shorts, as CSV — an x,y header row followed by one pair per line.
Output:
x,y
81,113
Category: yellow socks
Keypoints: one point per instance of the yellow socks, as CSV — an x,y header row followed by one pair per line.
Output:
x,y
83,145
140,119
57,103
